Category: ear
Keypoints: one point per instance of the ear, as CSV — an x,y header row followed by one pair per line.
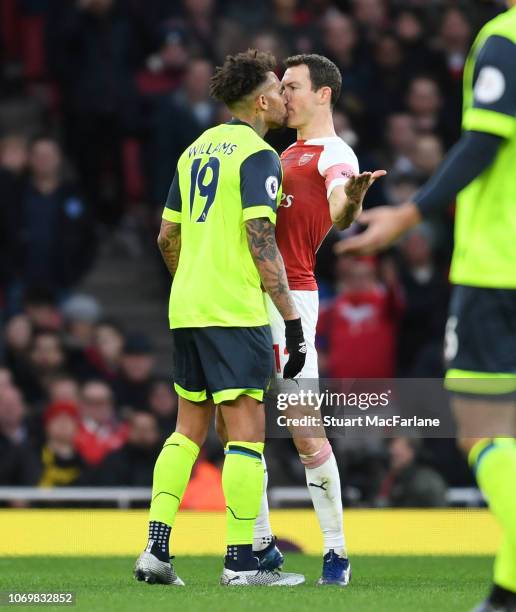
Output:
x,y
325,95
261,102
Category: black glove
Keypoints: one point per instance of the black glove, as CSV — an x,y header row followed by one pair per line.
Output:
x,y
296,347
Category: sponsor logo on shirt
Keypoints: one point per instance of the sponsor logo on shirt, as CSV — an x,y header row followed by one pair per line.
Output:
x,y
286,200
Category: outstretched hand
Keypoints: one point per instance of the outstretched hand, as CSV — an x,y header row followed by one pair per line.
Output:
x,y
384,225
357,185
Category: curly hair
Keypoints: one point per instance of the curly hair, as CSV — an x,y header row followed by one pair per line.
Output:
x,y
240,75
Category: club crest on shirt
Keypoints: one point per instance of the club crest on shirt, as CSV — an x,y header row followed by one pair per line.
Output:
x,y
305,158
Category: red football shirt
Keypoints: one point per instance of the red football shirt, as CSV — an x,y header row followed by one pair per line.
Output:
x,y
311,170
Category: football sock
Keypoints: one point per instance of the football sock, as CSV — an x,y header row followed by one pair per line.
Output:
x,y
171,475
159,536
242,482
262,527
323,482
494,463
502,597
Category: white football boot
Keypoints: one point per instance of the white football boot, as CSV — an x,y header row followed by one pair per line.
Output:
x,y
150,569
260,577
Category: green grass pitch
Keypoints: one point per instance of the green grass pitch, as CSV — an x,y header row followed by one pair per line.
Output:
x,y
380,584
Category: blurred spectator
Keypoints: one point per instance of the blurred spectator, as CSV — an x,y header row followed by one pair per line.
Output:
x,y
134,382
63,388
99,432
51,227
294,27
420,57
40,306
164,70
357,332
371,16
80,315
14,154
401,188
17,337
99,100
389,75
103,356
61,464
341,44
400,141
162,402
426,296
46,358
13,164
12,414
269,41
211,34
428,154
6,379
425,104
18,465
407,483
132,465
179,119
455,41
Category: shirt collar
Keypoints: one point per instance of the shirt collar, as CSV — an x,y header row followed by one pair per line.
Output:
x,y
235,121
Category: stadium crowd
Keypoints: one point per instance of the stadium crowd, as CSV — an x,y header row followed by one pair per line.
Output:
x,y
98,98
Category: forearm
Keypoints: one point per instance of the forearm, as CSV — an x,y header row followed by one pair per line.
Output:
x,y
269,263
169,243
474,152
343,210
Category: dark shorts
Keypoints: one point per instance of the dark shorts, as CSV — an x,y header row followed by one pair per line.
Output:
x,y
222,362
480,341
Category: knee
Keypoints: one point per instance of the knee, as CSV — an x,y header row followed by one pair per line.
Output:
x,y
309,446
195,433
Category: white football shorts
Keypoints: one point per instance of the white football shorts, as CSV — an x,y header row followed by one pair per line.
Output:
x,y
307,304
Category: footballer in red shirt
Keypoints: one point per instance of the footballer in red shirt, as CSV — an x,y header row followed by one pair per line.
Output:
x,y
322,186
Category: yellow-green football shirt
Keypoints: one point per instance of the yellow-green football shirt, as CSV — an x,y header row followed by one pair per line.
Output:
x,y
229,175
485,222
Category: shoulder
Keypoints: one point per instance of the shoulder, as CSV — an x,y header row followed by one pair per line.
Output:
x,y
264,158
335,151
504,24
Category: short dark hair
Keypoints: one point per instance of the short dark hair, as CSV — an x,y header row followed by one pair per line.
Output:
x,y
240,75
323,72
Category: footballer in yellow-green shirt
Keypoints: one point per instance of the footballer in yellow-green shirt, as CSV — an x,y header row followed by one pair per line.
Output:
x,y
480,338
217,239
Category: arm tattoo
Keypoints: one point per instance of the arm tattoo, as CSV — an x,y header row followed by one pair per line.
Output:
x,y
267,258
169,242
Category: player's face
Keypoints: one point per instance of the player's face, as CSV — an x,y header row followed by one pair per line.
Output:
x,y
302,101
275,113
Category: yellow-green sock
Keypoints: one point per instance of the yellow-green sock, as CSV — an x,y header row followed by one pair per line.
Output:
x,y
171,475
494,462
242,481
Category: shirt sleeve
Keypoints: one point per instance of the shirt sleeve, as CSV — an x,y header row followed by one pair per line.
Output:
x,y
337,163
260,185
172,210
494,89
468,158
